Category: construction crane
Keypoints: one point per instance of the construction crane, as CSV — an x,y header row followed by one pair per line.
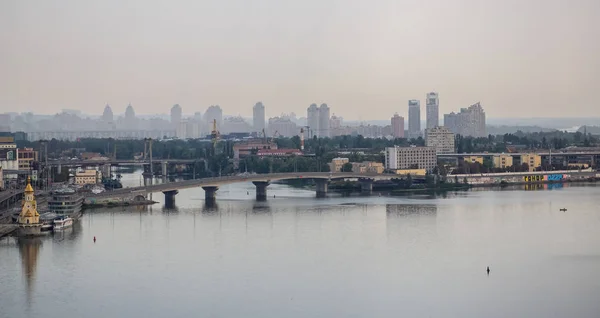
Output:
x,y
274,135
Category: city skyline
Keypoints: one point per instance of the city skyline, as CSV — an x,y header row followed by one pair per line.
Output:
x,y
205,52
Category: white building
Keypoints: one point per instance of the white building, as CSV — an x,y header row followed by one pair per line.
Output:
x,y
433,110
235,124
410,158
414,118
175,115
214,112
258,117
312,119
283,127
468,122
440,138
324,131
9,156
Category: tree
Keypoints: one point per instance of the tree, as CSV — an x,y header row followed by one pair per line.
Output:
x,y
347,167
409,181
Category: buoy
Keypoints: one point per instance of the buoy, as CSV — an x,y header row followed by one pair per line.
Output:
x,y
94,239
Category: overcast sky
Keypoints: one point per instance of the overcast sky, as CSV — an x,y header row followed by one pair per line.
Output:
x,y
520,58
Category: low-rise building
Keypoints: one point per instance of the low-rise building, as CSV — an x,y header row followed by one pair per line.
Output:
x,y
367,167
474,159
9,154
412,172
278,152
1,179
503,161
26,158
410,158
337,164
88,176
533,160
441,138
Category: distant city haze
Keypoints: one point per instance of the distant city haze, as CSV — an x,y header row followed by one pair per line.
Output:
x,y
365,60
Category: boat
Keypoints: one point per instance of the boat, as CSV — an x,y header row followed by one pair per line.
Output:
x,y
47,220
62,222
563,210
65,202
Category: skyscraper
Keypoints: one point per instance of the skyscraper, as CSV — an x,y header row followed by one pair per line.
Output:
x,y
214,112
175,116
312,120
433,110
130,120
107,115
398,126
258,112
414,118
323,121
468,122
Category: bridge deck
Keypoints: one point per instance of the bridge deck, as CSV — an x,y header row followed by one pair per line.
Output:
x,y
6,229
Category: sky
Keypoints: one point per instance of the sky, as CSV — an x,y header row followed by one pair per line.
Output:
x,y
365,59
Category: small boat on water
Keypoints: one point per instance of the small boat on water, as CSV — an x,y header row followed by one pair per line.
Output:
x,y
62,222
563,210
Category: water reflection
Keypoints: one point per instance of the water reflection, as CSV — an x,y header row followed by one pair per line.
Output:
x,y
29,249
403,210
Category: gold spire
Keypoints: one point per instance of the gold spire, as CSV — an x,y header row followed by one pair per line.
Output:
x,y
28,188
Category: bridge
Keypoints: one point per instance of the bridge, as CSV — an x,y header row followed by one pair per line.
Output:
x,y
261,181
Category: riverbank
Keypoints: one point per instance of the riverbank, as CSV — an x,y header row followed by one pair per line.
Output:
x,y
110,204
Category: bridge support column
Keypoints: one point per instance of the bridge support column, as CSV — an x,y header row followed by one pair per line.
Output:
x,y
210,194
366,186
170,199
59,168
261,190
165,166
106,170
322,186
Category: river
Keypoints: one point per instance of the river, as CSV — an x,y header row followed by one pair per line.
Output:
x,y
298,256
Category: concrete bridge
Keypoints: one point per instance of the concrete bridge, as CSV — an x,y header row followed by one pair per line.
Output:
x,y
261,181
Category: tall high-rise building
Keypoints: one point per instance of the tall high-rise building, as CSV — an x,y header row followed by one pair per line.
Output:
x,y
323,131
130,120
433,110
312,120
214,112
398,126
107,115
414,118
175,116
468,122
258,116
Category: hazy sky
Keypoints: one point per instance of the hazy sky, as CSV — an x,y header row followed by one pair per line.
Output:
x,y
520,58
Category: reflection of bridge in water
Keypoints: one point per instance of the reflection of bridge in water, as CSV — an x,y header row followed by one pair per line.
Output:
x,y
261,181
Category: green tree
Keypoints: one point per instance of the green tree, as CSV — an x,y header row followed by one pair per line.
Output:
x,y
347,167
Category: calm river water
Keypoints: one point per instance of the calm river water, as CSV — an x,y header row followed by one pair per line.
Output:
x,y
297,256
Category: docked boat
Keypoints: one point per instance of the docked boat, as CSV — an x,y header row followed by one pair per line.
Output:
x,y
65,202
47,220
62,222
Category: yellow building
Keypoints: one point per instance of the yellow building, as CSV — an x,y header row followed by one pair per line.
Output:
x,y
503,161
337,164
29,218
474,159
533,160
412,172
367,167
88,177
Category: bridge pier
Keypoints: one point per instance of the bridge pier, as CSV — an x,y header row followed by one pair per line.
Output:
x,y
366,186
261,190
321,186
165,166
170,198
59,168
210,194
